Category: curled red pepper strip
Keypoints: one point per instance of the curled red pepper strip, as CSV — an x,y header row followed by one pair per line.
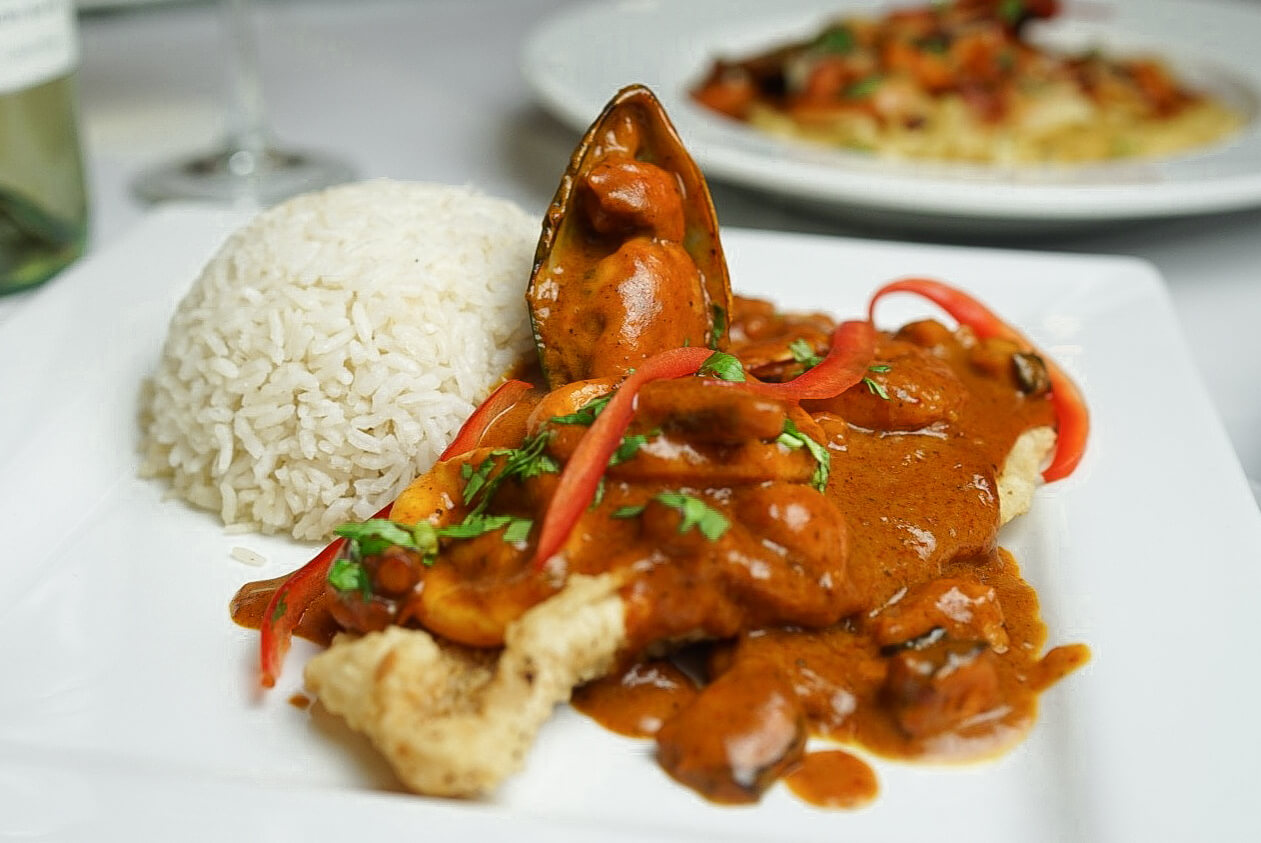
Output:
x,y
286,607
1072,419
581,477
305,585
289,603
499,402
853,347
845,364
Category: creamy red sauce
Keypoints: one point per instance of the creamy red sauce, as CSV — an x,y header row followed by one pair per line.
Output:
x,y
792,570
833,779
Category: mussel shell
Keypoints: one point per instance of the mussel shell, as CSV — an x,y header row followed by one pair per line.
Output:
x,y
563,229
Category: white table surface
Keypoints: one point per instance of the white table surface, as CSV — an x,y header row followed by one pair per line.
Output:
x,y
429,90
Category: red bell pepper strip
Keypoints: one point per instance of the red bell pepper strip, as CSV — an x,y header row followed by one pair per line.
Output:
x,y
286,607
289,603
582,473
853,346
845,364
499,402
1072,419
305,585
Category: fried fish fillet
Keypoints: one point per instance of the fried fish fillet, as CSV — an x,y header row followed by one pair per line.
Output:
x,y
1021,472
454,721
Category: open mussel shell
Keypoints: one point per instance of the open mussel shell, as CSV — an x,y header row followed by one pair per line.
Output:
x,y
629,262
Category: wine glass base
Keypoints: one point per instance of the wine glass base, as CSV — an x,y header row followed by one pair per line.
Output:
x,y
237,176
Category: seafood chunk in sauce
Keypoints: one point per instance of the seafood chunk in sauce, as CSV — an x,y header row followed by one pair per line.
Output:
x,y
629,262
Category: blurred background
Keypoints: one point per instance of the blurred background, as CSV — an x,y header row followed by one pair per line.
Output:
x,y
432,90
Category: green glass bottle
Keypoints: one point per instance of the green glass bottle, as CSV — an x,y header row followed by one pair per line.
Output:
x,y
43,207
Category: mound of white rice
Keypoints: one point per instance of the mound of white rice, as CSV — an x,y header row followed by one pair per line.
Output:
x,y
332,348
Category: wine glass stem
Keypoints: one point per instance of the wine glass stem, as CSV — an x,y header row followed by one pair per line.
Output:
x,y
248,130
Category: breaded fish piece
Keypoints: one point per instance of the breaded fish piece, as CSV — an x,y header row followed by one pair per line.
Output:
x,y
1021,471
453,721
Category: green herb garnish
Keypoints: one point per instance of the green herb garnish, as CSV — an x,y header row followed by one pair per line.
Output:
x,y
793,438
629,511
476,524
876,389
1011,11
586,414
630,445
873,386
804,354
836,40
723,366
371,537
518,530
425,541
696,513
863,88
475,478
347,575
481,483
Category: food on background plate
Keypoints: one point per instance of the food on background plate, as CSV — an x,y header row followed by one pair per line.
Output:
x,y
963,81
723,527
331,349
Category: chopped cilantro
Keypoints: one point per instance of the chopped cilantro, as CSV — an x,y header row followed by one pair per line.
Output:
x,y
723,366
370,537
863,88
586,414
630,444
793,438
279,611
346,575
520,463
696,513
838,39
425,538
528,460
628,511
1011,11
475,478
876,389
474,525
518,530
804,354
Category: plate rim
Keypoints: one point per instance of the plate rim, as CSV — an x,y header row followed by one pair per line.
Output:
x,y
867,186
1142,281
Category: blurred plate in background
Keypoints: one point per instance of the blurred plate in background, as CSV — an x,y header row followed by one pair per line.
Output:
x,y
576,60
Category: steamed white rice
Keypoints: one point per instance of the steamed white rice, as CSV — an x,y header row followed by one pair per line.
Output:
x,y
332,348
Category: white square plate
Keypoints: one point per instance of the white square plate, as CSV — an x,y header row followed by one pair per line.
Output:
x,y
129,709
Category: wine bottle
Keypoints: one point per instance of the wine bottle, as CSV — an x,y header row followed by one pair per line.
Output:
x,y
43,207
